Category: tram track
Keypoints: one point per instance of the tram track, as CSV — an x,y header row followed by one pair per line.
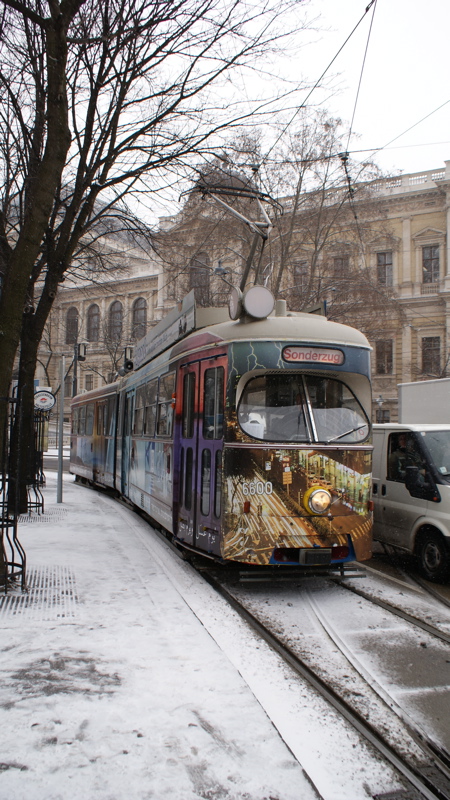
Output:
x,y
426,769
428,772
416,621
429,590
431,747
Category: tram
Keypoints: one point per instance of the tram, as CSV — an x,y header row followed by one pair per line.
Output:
x,y
243,433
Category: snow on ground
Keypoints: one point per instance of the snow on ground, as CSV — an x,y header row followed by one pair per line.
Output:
x,y
122,675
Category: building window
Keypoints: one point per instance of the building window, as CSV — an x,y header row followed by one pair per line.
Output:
x,y
382,415
340,266
431,355
384,357
68,384
430,263
93,323
139,318
300,275
384,268
115,321
89,382
72,325
199,278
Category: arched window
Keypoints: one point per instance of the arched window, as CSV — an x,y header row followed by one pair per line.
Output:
x,y
139,318
93,323
72,325
115,321
199,277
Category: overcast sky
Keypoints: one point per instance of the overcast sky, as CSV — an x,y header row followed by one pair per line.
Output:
x,y
405,77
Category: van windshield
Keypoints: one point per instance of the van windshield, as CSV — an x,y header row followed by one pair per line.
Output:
x,y
280,407
438,445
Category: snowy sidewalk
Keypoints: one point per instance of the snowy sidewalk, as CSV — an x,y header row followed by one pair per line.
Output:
x,y
110,686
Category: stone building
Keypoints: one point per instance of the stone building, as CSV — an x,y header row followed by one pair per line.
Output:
x,y
385,269
107,312
416,263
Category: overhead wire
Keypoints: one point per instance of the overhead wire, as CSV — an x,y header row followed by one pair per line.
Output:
x,y
371,4
303,104
361,74
378,149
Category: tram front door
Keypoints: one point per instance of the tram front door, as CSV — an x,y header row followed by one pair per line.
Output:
x,y
201,446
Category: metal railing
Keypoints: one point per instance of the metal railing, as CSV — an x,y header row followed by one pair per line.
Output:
x,y
12,554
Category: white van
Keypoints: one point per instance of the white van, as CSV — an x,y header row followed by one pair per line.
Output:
x,y
411,493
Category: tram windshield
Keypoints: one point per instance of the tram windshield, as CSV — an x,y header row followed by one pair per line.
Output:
x,y
301,408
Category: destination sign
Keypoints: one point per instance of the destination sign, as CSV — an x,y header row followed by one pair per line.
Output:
x,y
313,355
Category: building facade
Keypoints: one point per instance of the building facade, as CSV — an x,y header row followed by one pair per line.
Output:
x,y
416,264
388,273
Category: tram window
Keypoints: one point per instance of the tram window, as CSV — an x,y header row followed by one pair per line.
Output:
x,y
100,419
181,476
338,416
82,420
165,403
188,479
297,408
75,420
110,417
213,404
90,419
273,408
150,407
218,484
138,426
205,492
128,415
188,405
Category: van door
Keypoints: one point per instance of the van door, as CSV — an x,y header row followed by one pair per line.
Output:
x,y
398,511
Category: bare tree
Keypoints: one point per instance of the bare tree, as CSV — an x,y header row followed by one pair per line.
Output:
x,y
100,100
323,227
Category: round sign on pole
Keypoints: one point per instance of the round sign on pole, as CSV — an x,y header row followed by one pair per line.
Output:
x,y
44,400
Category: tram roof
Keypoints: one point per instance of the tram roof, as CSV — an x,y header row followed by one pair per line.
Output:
x,y
303,327
186,326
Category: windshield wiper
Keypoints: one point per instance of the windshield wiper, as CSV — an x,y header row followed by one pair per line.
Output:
x,y
352,430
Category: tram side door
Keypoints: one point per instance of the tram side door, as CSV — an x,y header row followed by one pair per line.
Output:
x,y
210,452
127,427
187,486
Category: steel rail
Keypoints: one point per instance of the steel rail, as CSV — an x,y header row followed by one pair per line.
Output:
x,y
440,756
418,623
423,784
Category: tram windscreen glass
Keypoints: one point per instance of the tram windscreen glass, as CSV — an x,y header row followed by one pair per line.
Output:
x,y
301,408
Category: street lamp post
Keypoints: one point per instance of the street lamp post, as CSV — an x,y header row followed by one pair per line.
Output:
x,y
79,354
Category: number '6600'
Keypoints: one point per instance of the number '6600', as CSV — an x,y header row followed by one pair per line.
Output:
x,y
257,487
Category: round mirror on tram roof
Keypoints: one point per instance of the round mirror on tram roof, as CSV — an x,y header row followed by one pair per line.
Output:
x,y
258,302
235,303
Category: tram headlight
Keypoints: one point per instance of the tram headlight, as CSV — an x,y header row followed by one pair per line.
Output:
x,y
317,500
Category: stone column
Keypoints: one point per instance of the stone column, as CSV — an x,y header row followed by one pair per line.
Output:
x,y
408,265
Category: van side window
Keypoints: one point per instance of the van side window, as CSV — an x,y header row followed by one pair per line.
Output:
x,y
403,452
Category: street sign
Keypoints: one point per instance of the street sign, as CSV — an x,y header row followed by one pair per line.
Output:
x,y
44,400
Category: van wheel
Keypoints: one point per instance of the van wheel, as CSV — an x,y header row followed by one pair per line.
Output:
x,y
434,557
